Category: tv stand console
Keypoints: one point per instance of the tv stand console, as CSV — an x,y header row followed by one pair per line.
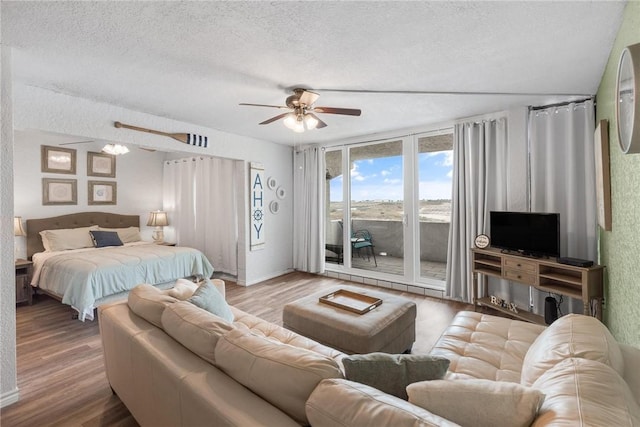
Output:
x,y
546,275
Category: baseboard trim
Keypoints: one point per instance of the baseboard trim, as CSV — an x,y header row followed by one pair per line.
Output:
x,y
9,397
264,278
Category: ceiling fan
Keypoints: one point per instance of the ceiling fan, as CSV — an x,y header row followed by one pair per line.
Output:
x,y
303,115
110,148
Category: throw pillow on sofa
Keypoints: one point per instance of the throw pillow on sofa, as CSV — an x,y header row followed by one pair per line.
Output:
x,y
281,374
183,289
573,335
392,373
586,392
207,297
478,403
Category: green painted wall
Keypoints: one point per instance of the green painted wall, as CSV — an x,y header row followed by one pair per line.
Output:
x,y
620,248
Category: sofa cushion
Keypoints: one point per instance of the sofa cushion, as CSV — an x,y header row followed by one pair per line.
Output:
x,y
339,402
149,302
480,403
483,346
209,298
282,374
392,373
275,332
194,328
573,335
585,392
183,289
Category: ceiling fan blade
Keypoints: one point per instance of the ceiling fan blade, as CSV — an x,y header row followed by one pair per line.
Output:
x,y
147,149
77,142
320,124
333,110
273,119
308,98
263,105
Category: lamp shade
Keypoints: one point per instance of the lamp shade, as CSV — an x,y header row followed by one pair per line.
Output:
x,y
158,219
17,226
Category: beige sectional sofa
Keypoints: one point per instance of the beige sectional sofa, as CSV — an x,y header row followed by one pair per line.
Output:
x,y
174,364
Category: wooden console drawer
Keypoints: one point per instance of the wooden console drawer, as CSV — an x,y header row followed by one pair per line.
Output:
x,y
519,276
524,266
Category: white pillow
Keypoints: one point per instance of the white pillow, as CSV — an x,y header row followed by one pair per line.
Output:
x,y
67,238
182,289
127,235
478,403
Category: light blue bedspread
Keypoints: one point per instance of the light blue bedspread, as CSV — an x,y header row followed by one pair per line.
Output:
x,y
82,278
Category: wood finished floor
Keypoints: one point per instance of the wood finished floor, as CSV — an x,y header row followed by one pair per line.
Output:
x,y
61,374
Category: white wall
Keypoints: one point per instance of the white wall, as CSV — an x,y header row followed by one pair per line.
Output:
x,y
40,109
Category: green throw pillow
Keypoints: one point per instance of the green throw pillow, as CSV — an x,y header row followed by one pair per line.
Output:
x,y
392,373
207,297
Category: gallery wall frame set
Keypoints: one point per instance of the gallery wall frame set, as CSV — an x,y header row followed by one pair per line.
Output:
x,y
57,191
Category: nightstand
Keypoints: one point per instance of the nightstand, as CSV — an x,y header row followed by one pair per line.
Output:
x,y
24,293
165,243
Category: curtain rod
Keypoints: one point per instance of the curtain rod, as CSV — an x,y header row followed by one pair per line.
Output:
x,y
561,104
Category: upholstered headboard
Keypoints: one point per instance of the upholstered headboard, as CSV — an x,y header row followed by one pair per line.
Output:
x,y
82,219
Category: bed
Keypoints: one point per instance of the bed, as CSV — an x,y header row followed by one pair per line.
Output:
x,y
85,277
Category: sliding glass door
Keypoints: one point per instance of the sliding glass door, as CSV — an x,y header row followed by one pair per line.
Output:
x,y
391,216
376,207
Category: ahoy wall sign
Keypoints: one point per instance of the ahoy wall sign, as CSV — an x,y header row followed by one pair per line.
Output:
x,y
257,206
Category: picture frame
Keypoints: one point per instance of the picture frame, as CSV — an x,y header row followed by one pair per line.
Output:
x,y
57,160
603,177
101,164
102,192
59,191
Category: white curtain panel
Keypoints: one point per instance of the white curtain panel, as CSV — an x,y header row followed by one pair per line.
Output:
x,y
178,198
308,225
201,193
563,177
479,186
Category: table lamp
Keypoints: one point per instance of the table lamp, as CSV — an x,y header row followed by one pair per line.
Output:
x,y
158,219
18,231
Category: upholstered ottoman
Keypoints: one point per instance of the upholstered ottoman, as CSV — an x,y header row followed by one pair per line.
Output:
x,y
389,328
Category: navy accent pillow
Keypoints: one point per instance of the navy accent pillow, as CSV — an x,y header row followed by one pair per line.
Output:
x,y
105,238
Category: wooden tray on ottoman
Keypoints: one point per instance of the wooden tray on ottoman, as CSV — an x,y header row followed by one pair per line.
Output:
x,y
351,301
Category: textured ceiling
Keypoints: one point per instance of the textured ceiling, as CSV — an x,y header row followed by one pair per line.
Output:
x,y
195,61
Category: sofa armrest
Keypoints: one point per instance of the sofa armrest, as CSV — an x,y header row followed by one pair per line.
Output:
x,y
631,357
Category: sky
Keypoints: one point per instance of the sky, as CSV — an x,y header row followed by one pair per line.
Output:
x,y
381,179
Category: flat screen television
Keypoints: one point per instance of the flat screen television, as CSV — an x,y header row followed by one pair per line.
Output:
x,y
529,233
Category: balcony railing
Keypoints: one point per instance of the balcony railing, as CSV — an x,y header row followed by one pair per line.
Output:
x,y
389,246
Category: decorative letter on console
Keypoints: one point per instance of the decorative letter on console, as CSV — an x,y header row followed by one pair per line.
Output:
x,y
257,202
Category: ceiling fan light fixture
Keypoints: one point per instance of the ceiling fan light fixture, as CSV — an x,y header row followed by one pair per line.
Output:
x,y
290,121
299,125
115,149
310,122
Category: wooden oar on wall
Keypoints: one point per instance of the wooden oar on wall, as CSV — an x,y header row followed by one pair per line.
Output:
x,y
187,138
